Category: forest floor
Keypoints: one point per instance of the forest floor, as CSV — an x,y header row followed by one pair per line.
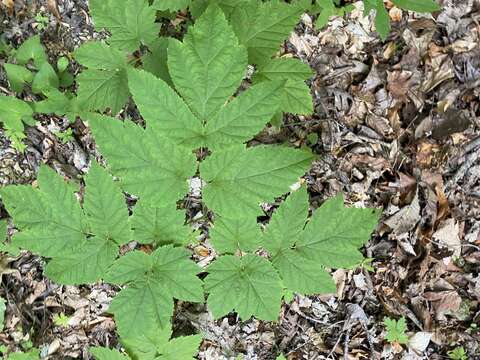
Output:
x,y
396,126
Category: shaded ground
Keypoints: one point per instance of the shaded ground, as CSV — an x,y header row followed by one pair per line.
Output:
x,y
397,126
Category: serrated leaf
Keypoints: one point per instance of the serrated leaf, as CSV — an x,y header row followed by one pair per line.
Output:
x,y
172,5
262,26
302,275
31,49
287,223
396,330
45,79
156,345
102,89
198,7
156,60
248,285
238,179
131,22
105,207
147,164
86,264
52,224
107,354
18,76
98,55
164,110
155,279
40,215
159,225
296,97
206,78
230,235
417,5
298,273
243,117
334,234
283,69
61,104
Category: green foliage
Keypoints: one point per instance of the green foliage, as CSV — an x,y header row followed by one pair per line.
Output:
x,y
82,242
13,114
130,22
155,345
33,354
396,330
154,280
417,5
458,353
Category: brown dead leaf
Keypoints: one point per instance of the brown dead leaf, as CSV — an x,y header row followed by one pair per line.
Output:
x,y
9,5
444,303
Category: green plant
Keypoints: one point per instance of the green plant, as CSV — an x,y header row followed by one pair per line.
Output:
x,y
396,330
458,353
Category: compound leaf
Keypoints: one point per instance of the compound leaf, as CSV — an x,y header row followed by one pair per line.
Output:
x,y
147,164
131,22
206,78
239,179
155,279
229,235
248,285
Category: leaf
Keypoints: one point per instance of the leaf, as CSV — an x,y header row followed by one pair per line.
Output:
x,y
104,84
296,97
45,80
156,60
172,5
98,55
243,117
105,207
287,223
206,78
82,243
30,355
131,22
17,76
382,20
31,49
155,279
107,354
164,110
238,179
248,285
417,5
159,225
156,345
86,264
229,235
13,111
148,166
299,273
262,26
396,330
61,104
40,215
334,234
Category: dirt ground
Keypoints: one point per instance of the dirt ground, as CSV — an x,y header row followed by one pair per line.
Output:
x,y
396,126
